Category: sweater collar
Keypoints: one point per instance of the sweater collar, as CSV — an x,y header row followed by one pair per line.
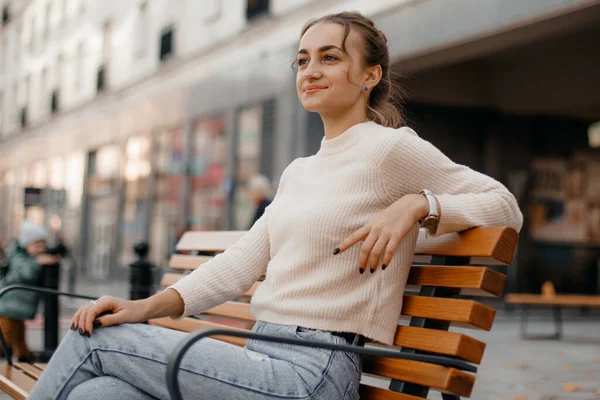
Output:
x,y
344,141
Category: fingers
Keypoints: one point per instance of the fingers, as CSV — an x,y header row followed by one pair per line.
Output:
x,y
390,250
365,251
356,237
376,252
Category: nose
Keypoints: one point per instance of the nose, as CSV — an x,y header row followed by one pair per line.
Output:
x,y
312,71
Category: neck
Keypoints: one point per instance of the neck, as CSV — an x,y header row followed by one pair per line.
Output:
x,y
336,124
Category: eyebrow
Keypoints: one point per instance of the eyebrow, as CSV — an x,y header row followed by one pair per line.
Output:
x,y
322,49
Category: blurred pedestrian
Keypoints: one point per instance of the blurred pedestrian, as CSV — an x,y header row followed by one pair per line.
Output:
x,y
25,261
259,191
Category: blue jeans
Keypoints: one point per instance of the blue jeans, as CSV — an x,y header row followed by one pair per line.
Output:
x,y
129,362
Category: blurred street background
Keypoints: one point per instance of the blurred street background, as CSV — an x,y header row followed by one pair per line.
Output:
x,y
128,121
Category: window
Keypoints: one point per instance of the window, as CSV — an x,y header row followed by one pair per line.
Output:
x,y
256,8
141,34
166,43
79,66
5,15
46,30
43,88
18,34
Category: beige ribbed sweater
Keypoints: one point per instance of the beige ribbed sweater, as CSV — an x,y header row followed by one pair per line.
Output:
x,y
321,200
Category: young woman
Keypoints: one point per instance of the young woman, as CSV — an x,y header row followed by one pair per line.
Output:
x,y
353,207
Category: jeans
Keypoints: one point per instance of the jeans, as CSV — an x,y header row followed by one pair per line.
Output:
x,y
129,362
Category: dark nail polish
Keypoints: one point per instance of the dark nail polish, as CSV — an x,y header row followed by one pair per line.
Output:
x,y
81,331
97,324
336,251
73,326
88,334
383,267
372,270
362,271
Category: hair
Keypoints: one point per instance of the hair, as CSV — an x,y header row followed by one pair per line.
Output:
x,y
385,100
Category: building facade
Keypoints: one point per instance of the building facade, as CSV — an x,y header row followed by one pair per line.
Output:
x,y
123,121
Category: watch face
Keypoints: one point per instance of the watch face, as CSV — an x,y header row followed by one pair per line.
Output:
x,y
429,222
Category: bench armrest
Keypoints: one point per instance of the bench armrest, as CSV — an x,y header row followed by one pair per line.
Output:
x,y
183,346
37,289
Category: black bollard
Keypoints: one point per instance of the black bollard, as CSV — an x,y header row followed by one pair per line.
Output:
x,y
140,278
51,309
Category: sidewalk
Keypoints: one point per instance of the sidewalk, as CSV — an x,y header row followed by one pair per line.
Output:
x,y
513,369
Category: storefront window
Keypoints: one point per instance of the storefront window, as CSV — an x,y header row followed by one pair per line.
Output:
x,y
167,217
207,175
250,122
135,208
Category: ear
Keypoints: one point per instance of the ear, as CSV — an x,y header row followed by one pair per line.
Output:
x,y
372,76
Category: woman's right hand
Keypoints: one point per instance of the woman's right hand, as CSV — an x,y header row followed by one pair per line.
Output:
x,y
107,311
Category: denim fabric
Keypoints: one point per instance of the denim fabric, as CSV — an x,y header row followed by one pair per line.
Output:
x,y
129,362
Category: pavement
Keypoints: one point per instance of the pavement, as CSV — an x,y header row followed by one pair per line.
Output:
x,y
512,369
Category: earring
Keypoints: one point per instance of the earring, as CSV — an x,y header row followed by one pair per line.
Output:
x,y
366,89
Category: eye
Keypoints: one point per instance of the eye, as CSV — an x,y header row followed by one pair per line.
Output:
x,y
330,57
301,61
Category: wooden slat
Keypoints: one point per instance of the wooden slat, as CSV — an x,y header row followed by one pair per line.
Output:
x,y
14,382
473,281
232,309
186,262
467,313
191,324
170,278
496,243
568,300
40,366
432,375
208,241
29,370
440,342
373,393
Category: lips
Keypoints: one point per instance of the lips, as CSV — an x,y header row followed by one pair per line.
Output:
x,y
313,89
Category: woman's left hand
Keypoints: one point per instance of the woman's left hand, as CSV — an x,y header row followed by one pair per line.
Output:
x,y
383,233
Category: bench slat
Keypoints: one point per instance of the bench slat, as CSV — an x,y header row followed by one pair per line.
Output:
x,y
440,342
29,370
208,241
496,243
464,313
40,366
192,324
170,278
429,340
467,313
435,376
14,382
375,393
187,262
473,281
572,300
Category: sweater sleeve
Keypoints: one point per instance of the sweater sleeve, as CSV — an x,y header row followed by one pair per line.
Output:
x,y
231,273
467,198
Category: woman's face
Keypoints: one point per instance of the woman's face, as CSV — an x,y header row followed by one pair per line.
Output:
x,y
329,79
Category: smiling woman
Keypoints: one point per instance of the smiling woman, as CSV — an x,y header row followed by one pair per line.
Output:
x,y
355,206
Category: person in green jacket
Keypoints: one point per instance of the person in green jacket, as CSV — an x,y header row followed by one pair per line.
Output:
x,y
26,259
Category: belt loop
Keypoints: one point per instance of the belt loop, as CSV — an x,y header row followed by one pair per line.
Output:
x,y
356,339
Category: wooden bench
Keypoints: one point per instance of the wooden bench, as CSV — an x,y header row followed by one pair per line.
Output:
x,y
548,298
447,272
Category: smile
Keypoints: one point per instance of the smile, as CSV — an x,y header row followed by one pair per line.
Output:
x,y
313,89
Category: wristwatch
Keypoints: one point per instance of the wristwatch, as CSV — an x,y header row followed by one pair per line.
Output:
x,y
433,217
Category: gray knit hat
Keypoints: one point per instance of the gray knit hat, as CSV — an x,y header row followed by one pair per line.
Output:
x,y
30,232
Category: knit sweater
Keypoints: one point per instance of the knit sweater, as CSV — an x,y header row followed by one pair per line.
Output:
x,y
321,200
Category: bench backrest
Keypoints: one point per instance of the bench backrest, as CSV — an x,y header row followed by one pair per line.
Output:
x,y
445,269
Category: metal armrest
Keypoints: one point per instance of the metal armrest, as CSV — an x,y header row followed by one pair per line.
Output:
x,y
182,347
37,289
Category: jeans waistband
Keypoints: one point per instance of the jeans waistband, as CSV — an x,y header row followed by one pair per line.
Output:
x,y
351,338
